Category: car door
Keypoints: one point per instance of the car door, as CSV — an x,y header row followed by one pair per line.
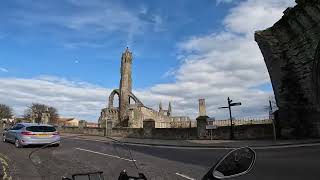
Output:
x,y
12,133
9,133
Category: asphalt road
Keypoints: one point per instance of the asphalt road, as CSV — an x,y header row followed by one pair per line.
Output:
x,y
78,156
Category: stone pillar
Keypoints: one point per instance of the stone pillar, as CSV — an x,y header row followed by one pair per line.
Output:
x,y
201,126
82,124
148,126
109,127
202,107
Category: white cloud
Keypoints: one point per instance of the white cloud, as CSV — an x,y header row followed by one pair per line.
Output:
x,y
226,63
252,15
224,1
170,73
215,66
72,99
4,69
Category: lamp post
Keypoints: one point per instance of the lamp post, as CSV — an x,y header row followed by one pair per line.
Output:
x,y
230,114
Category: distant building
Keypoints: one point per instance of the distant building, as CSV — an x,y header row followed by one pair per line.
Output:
x,y
92,124
70,122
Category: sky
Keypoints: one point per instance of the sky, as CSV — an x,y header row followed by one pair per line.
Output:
x,y
66,54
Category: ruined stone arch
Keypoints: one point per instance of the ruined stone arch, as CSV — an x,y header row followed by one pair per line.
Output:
x,y
136,100
111,97
132,99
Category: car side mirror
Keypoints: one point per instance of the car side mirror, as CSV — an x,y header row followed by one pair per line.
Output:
x,y
236,163
6,129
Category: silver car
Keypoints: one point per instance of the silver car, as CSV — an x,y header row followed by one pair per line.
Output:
x,y
23,134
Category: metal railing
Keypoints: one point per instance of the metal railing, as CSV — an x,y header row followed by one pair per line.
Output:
x,y
242,121
180,124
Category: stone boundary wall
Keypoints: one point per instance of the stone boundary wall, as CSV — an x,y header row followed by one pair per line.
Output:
x,y
256,131
127,132
243,132
174,133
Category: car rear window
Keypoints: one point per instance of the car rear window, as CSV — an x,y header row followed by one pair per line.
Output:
x,y
40,129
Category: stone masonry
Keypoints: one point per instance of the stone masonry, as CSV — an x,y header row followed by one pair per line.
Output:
x,y
202,107
131,111
125,87
291,52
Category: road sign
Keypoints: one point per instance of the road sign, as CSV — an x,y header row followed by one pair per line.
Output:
x,y
211,119
229,107
235,104
211,127
224,107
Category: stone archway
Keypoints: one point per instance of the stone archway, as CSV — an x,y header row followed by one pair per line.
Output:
x,y
132,100
111,97
136,100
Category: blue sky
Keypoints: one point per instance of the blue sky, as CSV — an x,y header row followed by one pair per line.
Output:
x,y
39,40
183,50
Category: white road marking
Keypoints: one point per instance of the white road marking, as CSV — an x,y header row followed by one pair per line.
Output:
x,y
207,148
109,155
158,146
288,146
185,176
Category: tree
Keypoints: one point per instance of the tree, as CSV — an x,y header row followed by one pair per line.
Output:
x,y
5,112
36,110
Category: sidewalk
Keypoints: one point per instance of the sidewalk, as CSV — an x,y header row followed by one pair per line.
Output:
x,y
199,143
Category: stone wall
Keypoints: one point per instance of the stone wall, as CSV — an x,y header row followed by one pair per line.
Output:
x,y
291,52
174,133
109,113
258,131
243,132
127,132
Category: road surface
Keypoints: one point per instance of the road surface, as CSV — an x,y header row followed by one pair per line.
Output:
x,y
78,155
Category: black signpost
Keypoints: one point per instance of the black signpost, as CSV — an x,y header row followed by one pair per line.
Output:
x,y
229,107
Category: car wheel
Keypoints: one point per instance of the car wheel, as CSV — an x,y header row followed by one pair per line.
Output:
x,y
17,143
4,138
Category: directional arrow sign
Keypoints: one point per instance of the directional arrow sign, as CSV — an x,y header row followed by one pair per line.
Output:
x,y
223,107
235,104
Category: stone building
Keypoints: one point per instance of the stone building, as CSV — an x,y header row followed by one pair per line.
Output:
x,y
131,111
291,51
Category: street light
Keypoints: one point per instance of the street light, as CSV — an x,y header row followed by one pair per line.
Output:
x,y
229,107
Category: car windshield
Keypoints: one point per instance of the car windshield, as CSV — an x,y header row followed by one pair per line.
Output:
x,y
40,129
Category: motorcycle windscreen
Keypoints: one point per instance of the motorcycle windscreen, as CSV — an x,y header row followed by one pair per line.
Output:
x,y
80,155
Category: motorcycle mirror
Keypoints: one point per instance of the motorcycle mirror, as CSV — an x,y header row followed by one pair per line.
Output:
x,y
236,163
88,176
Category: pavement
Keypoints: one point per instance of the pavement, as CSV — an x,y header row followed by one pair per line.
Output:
x,y
93,153
202,143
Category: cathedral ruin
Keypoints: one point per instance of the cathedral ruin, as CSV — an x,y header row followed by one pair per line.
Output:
x,y
131,111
